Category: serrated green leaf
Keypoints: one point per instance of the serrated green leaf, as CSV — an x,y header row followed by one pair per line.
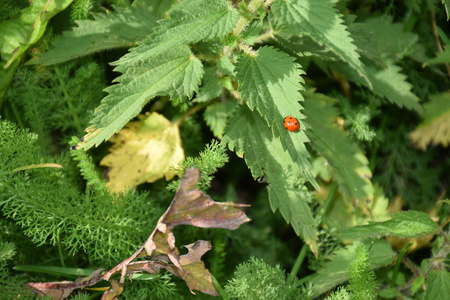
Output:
x,y
207,20
210,88
380,39
176,73
350,166
438,285
417,284
388,82
336,271
249,136
391,83
319,20
435,127
216,116
122,28
17,35
403,224
269,82
442,58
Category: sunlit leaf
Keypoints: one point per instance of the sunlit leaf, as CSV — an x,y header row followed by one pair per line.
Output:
x,y
144,151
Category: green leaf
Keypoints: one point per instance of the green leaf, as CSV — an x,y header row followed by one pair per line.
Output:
x,y
336,271
122,28
417,284
216,116
319,20
17,35
435,127
391,83
269,82
176,73
380,39
210,88
438,285
249,136
200,21
349,165
403,224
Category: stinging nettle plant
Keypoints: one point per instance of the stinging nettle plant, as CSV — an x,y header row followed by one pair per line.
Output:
x,y
243,66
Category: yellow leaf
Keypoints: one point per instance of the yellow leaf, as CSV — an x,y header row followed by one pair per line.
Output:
x,y
437,132
435,126
143,151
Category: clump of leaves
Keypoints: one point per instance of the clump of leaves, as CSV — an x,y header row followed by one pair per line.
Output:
x,y
362,278
189,207
255,279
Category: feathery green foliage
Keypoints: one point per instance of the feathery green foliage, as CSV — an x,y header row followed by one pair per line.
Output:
x,y
208,161
51,209
256,279
362,278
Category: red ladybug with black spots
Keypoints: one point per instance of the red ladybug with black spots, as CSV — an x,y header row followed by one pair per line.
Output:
x,y
291,124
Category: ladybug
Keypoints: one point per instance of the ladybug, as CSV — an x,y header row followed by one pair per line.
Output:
x,y
291,124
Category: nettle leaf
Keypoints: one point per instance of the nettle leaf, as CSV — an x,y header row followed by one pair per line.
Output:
x,y
438,285
350,166
122,28
204,20
176,73
319,20
250,137
269,82
441,58
435,127
211,87
403,224
389,82
216,116
379,39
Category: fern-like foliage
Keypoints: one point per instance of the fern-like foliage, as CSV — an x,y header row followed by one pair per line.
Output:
x,y
256,279
208,161
51,209
362,278
62,98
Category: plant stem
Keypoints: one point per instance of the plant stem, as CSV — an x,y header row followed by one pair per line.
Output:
x,y
397,263
68,100
436,36
190,112
59,248
298,263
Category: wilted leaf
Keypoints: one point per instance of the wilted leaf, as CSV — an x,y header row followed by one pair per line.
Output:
x,y
197,277
114,292
160,246
54,290
142,152
192,207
